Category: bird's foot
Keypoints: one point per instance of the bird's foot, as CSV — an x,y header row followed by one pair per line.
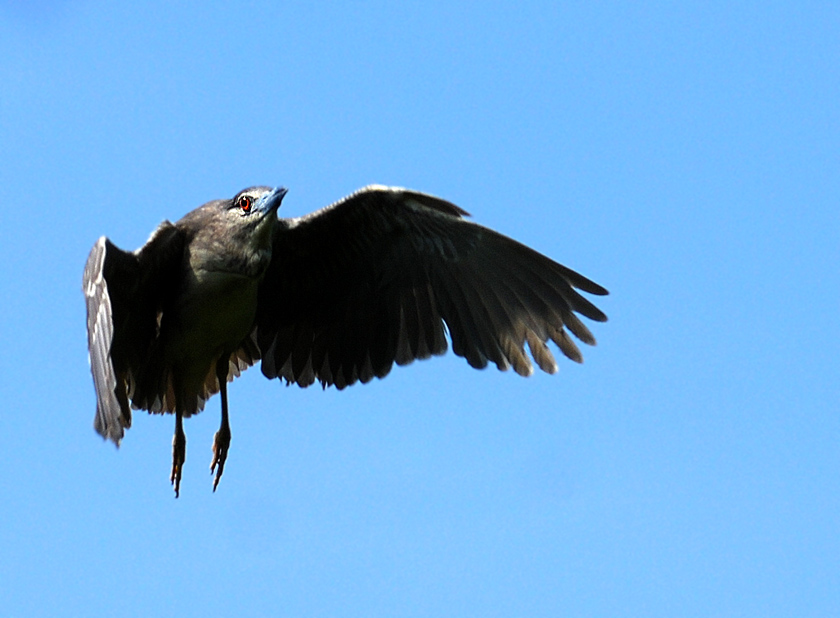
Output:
x,y
221,444
179,456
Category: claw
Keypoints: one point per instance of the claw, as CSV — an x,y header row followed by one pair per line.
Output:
x,y
221,444
221,441
179,454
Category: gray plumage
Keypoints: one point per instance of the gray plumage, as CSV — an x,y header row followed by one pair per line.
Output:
x,y
337,297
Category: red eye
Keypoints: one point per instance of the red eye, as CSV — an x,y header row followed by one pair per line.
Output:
x,y
245,203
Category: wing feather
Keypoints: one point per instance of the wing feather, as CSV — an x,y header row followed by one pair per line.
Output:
x,y
382,275
125,294
112,411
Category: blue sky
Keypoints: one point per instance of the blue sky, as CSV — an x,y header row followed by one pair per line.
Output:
x,y
684,155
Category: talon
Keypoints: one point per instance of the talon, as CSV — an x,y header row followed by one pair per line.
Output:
x,y
221,444
178,459
179,455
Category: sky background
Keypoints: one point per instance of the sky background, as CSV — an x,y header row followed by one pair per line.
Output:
x,y
682,154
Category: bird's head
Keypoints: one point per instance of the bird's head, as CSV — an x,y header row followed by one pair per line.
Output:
x,y
235,235
257,203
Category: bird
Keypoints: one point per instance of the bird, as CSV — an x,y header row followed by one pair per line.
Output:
x,y
382,276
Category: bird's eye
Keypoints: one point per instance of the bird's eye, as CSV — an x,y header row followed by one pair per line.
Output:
x,y
244,203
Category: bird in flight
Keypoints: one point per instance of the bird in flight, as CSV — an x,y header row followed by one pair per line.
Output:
x,y
337,296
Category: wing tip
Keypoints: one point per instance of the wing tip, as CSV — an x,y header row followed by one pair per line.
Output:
x,y
112,434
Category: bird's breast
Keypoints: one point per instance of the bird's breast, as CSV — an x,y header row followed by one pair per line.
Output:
x,y
215,313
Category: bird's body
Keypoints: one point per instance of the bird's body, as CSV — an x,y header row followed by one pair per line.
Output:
x,y
337,296
214,313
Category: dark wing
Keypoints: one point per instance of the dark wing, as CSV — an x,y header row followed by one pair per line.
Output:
x,y
124,293
373,278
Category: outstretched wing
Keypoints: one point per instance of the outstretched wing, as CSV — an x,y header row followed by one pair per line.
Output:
x,y
124,292
372,279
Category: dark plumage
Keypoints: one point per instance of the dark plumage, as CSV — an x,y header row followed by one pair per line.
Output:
x,y
336,297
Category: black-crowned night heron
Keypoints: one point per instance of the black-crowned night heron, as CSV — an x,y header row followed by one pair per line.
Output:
x,y
336,297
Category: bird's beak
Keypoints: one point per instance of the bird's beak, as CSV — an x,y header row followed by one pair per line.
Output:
x,y
270,202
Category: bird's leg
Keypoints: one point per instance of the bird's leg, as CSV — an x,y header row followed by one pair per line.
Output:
x,y
179,451
221,441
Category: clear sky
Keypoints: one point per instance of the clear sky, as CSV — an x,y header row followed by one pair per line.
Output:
x,y
682,154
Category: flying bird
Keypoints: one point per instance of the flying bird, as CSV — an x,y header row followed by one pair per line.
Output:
x,y
337,296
